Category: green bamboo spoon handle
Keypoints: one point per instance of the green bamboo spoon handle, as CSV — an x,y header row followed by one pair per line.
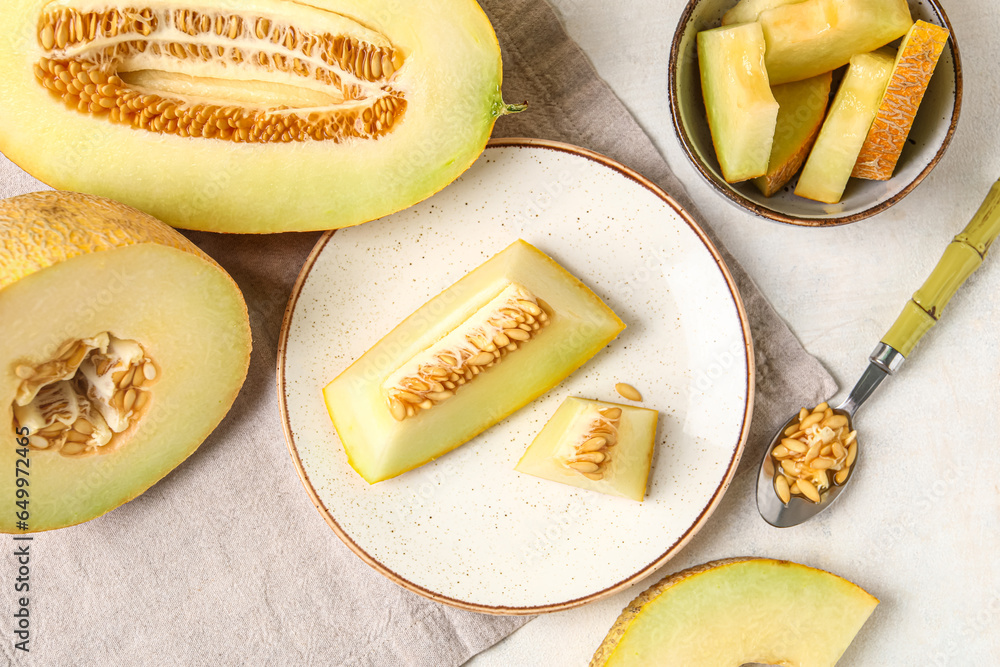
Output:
x,y
961,259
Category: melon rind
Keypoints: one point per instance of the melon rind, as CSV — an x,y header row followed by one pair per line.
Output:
x,y
378,447
452,77
626,474
918,57
74,266
732,612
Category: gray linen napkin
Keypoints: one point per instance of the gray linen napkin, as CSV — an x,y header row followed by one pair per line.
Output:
x,y
226,561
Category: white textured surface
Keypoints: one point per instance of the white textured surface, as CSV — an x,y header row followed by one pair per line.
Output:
x,y
918,528
490,535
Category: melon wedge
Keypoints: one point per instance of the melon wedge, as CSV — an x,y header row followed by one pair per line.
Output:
x,y
263,116
741,110
816,36
604,447
124,346
803,107
829,167
485,347
732,612
748,11
918,57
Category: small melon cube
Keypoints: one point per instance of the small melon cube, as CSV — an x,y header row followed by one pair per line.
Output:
x,y
832,160
742,112
809,38
918,57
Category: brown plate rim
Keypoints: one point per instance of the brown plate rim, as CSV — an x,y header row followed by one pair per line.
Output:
x,y
764,212
706,512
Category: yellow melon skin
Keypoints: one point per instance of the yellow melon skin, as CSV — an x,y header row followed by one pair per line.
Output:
x,y
73,266
918,57
732,612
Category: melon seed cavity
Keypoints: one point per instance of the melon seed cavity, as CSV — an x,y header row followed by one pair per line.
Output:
x,y
287,72
592,453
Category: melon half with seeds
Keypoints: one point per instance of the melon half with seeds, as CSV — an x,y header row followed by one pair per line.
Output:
x,y
263,116
124,347
484,348
604,447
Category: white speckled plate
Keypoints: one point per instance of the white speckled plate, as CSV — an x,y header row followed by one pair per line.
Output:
x,y
467,529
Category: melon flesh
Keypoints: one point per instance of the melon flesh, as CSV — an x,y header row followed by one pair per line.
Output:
x,y
825,176
742,112
391,418
748,11
918,57
802,110
810,38
733,612
256,117
73,267
568,450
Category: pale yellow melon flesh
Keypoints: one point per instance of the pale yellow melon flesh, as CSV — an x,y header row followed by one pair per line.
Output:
x,y
829,167
381,445
73,266
810,38
625,466
748,11
918,57
741,110
803,107
733,612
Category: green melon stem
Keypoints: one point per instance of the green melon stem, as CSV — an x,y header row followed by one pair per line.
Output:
x,y
504,109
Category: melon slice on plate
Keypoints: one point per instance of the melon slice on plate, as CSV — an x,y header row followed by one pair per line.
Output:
x,y
603,447
829,167
810,38
803,107
485,347
741,110
733,612
124,346
918,57
748,11
263,116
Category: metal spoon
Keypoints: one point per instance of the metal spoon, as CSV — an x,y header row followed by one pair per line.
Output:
x,y
961,259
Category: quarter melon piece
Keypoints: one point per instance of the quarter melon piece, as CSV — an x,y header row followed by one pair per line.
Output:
x,y
124,347
918,57
802,109
485,347
809,38
732,612
603,447
748,11
829,167
741,110
263,116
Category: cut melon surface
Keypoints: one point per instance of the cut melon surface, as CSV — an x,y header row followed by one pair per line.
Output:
x,y
832,160
742,112
125,346
810,38
732,612
911,75
265,116
748,11
803,107
503,335
604,447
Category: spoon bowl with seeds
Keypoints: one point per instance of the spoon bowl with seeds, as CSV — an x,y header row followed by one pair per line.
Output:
x,y
812,458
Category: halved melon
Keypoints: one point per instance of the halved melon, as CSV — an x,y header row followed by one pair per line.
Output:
x,y
809,38
485,347
603,447
124,346
741,110
829,167
748,11
802,110
263,116
733,612
915,64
